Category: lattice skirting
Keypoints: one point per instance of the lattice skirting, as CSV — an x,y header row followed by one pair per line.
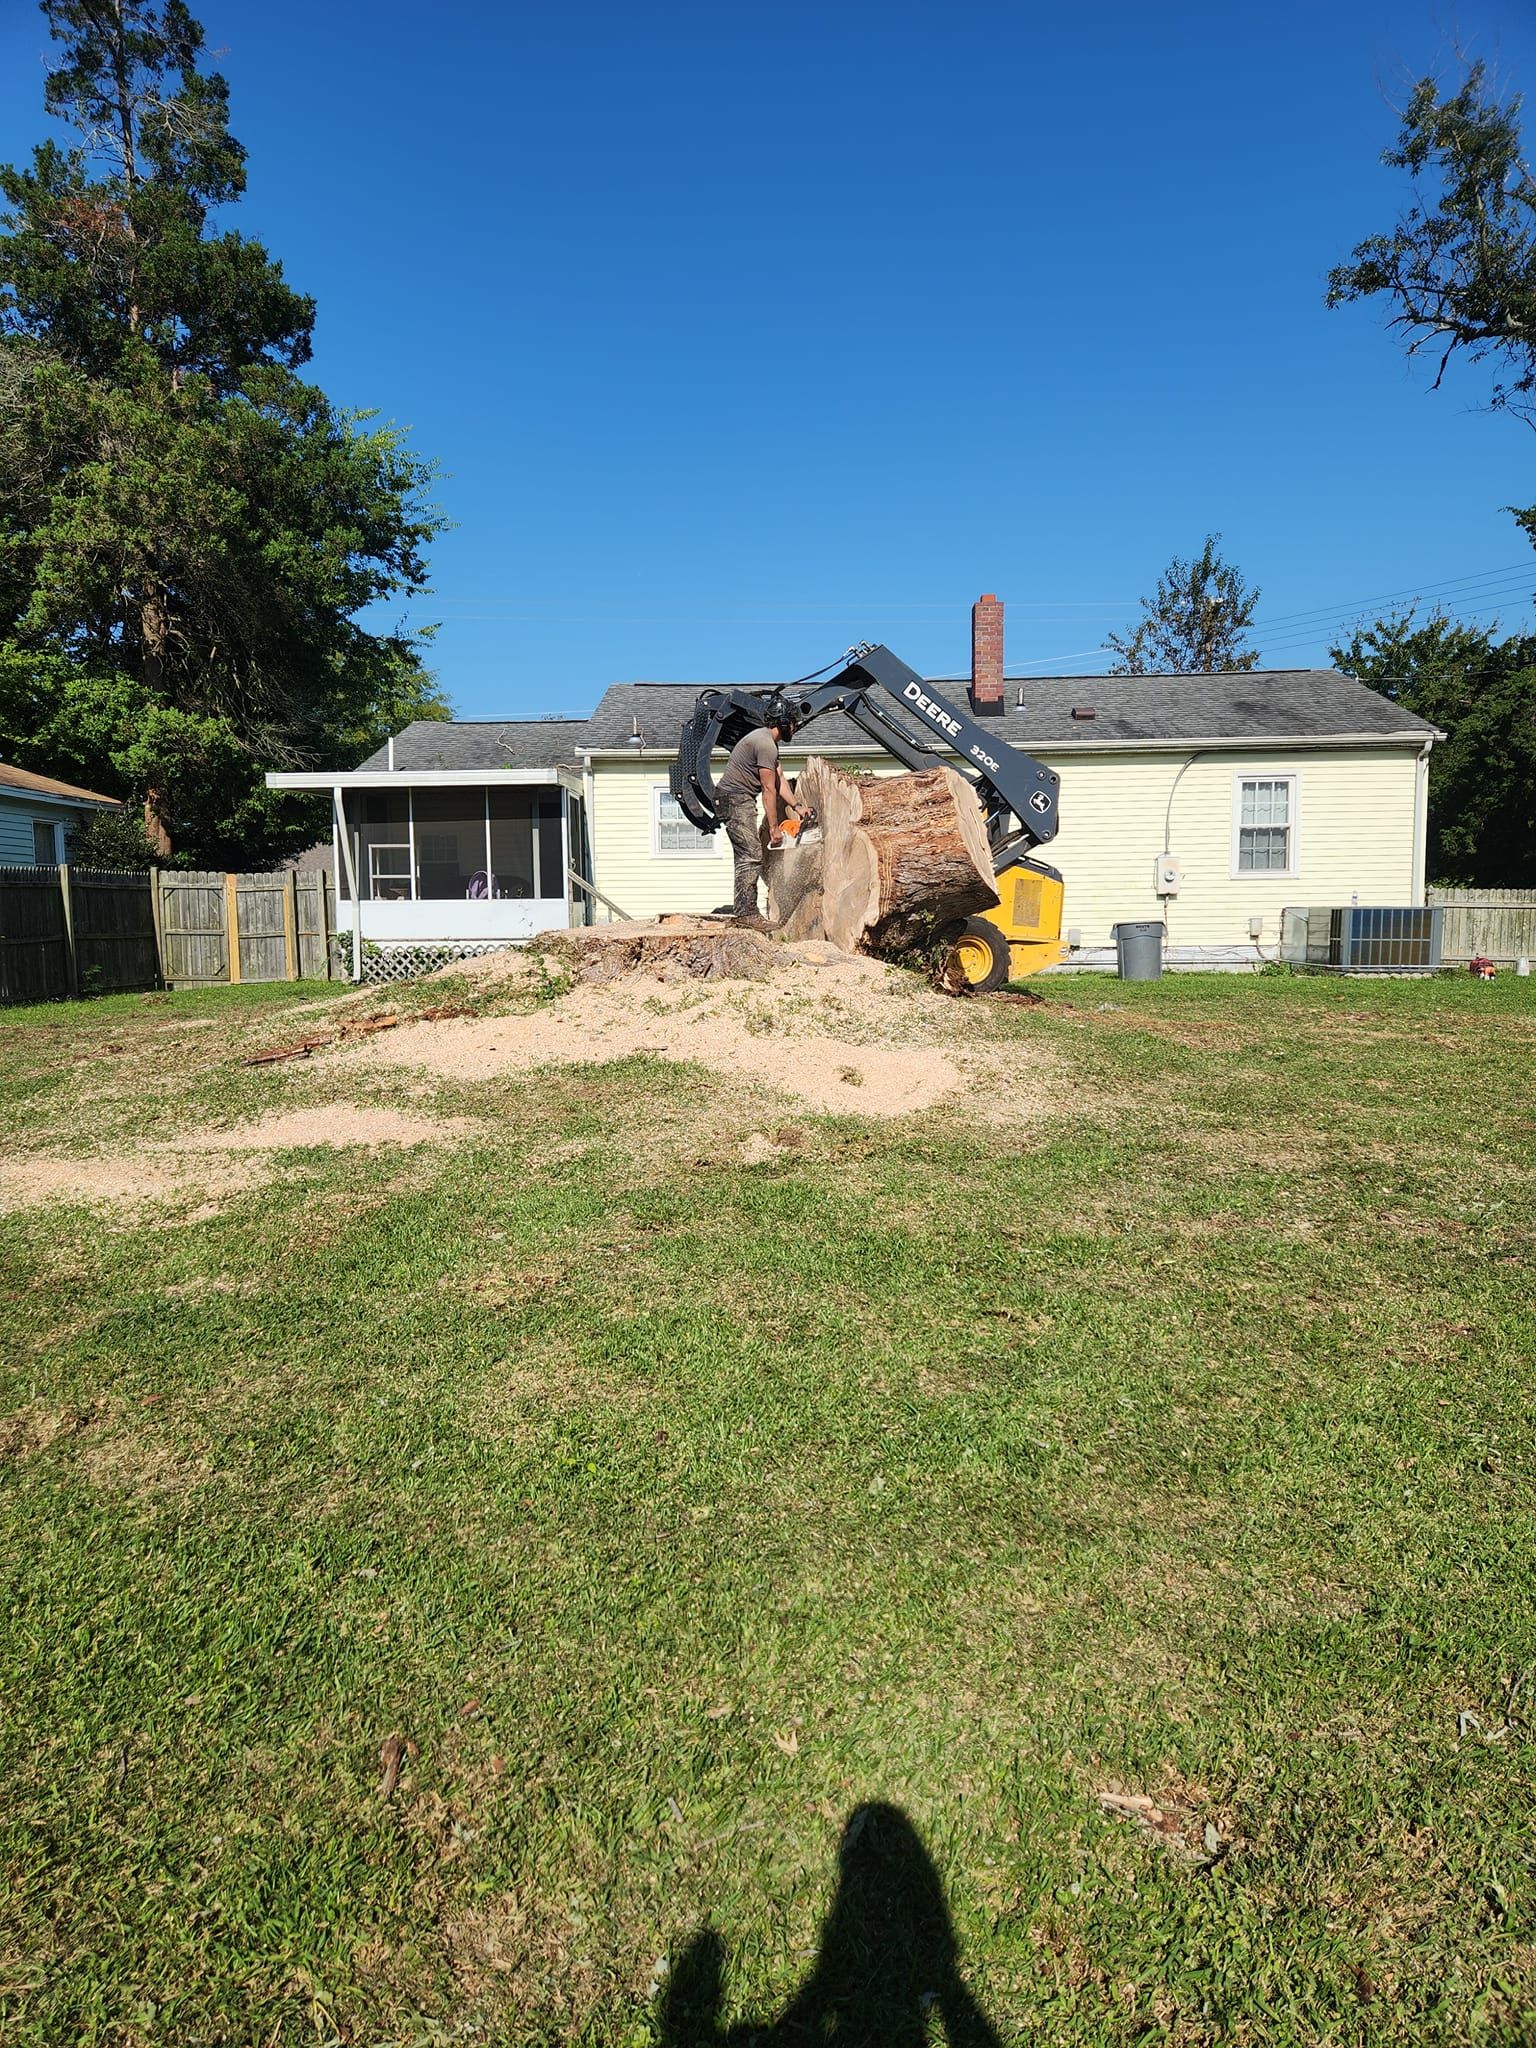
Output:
x,y
404,963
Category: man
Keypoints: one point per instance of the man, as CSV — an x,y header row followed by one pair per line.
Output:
x,y
752,771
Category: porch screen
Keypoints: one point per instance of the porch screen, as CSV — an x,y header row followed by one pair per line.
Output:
x,y
450,844
551,854
381,819
512,841
527,858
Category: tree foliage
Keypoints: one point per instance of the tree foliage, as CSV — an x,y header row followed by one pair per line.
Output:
x,y
1459,267
1195,623
191,536
111,840
1481,692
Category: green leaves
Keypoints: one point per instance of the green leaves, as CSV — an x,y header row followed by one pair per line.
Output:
x,y
1481,692
1459,268
1194,624
188,532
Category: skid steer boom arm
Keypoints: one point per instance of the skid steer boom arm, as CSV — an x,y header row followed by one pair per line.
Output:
x,y
1018,793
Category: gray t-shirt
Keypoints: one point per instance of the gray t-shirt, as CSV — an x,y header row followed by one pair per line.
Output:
x,y
739,777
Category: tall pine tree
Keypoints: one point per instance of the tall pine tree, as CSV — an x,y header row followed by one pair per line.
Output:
x,y
189,532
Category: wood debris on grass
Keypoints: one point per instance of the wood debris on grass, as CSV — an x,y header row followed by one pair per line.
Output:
x,y
1181,1832
393,1751
355,1027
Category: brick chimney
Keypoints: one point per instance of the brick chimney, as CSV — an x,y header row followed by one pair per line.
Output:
x,y
987,657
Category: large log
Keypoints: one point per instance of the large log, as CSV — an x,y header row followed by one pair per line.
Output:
x,y
889,856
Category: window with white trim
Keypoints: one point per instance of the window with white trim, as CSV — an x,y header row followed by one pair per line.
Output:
x,y
389,870
672,834
1264,825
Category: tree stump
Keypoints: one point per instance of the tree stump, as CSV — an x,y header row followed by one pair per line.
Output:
x,y
670,949
889,855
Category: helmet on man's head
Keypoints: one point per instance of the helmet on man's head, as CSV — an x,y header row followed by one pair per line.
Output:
x,y
780,713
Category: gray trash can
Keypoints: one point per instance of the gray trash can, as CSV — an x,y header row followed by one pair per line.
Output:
x,y
1139,951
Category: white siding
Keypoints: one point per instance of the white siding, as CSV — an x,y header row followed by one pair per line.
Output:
x,y
1355,826
17,816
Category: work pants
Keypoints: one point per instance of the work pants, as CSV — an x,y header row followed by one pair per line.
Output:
x,y
738,814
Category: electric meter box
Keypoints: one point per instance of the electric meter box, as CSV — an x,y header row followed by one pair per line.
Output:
x,y
1167,874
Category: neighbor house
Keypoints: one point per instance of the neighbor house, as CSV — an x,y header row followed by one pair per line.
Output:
x,y
1210,802
39,815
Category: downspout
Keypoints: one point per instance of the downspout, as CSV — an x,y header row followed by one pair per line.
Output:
x,y
1420,825
1197,755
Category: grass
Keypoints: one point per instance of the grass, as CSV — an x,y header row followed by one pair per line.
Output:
x,y
1176,1446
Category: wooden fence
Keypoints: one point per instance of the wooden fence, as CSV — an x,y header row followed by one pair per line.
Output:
x,y
224,928
70,931
1500,923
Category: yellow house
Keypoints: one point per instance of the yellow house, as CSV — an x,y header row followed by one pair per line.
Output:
x,y
1208,802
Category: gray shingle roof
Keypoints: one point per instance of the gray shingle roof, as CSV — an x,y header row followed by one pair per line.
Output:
x,y
484,743
1271,704
1298,704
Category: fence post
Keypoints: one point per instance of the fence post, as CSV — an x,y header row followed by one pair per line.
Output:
x,y
291,924
67,904
157,919
232,926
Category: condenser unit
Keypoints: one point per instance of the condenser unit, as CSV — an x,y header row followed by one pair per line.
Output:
x,y
1360,938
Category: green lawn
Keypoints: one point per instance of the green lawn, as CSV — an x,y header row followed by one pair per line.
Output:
x,y
1178,1444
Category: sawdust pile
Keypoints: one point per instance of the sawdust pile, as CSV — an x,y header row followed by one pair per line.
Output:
x,y
212,1164
831,1031
809,1027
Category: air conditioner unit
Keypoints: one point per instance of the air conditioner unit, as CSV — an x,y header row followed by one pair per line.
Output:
x,y
1357,938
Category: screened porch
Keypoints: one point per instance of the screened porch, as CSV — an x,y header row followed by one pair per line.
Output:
x,y
452,855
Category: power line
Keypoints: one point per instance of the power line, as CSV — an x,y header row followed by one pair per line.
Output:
x,y
1416,590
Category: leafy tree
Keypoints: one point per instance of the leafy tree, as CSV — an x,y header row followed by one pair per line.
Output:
x,y
1459,267
114,840
1481,692
190,534
1194,624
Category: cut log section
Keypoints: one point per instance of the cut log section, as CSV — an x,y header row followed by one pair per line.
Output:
x,y
889,856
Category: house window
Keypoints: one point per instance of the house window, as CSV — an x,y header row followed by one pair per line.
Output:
x,y
671,832
1264,825
45,844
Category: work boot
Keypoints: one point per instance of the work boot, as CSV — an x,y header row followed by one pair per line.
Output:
x,y
751,921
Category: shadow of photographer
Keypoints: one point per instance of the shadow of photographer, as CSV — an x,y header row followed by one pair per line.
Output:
x,y
886,1961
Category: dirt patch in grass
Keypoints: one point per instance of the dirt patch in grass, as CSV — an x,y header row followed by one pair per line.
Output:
x,y
517,1392
37,1427
330,1123
844,1035
92,1438
124,1462
117,1180
211,1166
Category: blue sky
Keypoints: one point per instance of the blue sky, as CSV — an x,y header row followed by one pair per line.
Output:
x,y
743,332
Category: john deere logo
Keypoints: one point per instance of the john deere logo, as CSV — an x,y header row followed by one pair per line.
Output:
x,y
1039,801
